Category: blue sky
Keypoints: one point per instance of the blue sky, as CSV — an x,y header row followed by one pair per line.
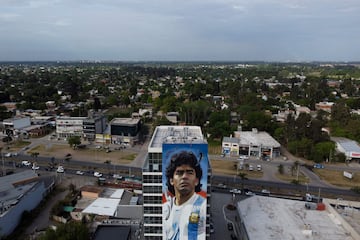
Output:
x,y
186,30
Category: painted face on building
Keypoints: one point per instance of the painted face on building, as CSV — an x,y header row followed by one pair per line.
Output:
x,y
184,180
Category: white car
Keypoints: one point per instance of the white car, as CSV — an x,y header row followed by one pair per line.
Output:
x,y
235,191
7,155
97,174
78,172
26,163
34,167
118,176
60,169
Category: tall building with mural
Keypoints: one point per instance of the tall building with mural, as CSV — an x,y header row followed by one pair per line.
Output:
x,y
167,143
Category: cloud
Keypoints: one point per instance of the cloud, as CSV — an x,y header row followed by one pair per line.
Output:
x,y
9,16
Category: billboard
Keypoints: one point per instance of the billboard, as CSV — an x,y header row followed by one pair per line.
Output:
x,y
184,190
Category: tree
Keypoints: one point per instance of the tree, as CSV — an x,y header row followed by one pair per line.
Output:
x,y
74,141
67,231
281,169
322,150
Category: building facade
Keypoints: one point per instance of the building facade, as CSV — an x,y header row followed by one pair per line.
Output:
x,y
153,177
251,143
95,124
125,130
69,126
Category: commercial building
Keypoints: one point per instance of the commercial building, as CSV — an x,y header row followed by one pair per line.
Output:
x,y
125,130
350,148
13,126
69,126
94,124
275,218
172,138
251,143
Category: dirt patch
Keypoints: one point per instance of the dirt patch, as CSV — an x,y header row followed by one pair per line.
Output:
x,y
89,155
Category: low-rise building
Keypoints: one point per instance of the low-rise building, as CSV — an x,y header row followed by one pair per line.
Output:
x,y
350,148
275,218
125,130
251,143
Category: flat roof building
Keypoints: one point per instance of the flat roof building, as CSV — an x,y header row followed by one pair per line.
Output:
x,y
350,148
251,143
275,218
125,130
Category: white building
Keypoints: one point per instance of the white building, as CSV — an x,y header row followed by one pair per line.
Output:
x,y
350,148
275,218
69,126
251,143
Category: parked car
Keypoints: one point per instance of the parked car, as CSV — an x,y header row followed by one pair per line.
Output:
x,y
7,155
248,192
251,168
265,192
258,167
97,174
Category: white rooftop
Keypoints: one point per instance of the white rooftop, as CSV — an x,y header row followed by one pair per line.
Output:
x,y
274,218
255,138
103,206
174,134
118,193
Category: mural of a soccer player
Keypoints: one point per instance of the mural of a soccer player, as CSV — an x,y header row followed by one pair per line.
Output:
x,y
184,191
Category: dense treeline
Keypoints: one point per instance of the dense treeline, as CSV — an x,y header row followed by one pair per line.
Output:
x,y
249,95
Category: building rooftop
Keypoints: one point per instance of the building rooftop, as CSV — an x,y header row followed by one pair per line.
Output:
x,y
103,206
256,138
125,121
347,144
175,134
274,218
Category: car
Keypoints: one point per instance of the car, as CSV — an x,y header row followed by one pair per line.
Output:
x,y
230,226
221,185
251,168
60,169
212,229
265,192
34,167
318,165
248,192
78,172
243,157
118,177
25,163
97,174
258,167
8,155
235,191
98,147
